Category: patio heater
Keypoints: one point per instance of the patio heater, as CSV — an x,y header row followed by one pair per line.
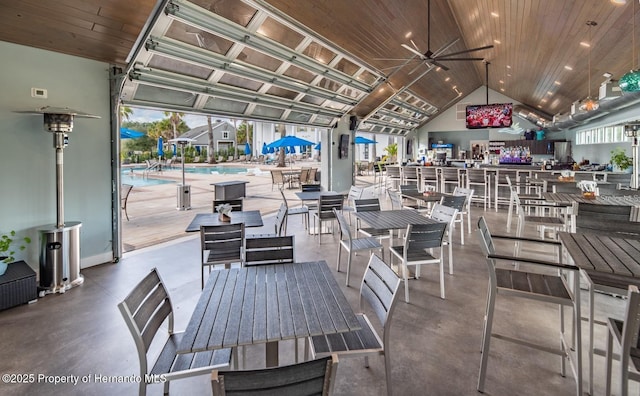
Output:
x,y
184,191
59,242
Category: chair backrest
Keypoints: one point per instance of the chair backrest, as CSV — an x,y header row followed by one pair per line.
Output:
x,y
379,289
367,205
606,218
476,176
311,177
368,192
450,174
502,174
410,172
454,201
423,236
408,188
304,175
269,250
345,230
393,172
396,200
281,219
486,242
236,204
310,187
354,193
145,310
444,214
328,202
124,195
429,173
315,377
631,325
222,240
277,177
467,192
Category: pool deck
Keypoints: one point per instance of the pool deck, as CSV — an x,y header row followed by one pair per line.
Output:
x,y
152,209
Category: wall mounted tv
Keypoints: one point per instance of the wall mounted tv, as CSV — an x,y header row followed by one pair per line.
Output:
x,y
498,115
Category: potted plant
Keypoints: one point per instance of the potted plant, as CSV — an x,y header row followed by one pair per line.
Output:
x,y
392,150
620,159
8,246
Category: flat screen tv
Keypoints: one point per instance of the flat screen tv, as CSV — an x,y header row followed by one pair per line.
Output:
x,y
343,146
498,115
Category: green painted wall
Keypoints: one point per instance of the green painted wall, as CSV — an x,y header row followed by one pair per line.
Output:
x,y
27,157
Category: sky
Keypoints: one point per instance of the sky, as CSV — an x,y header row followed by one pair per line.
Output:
x,y
145,115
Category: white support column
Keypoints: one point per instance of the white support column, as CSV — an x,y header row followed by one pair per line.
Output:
x,y
336,173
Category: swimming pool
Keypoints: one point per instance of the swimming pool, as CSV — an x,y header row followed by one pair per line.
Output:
x,y
136,180
220,170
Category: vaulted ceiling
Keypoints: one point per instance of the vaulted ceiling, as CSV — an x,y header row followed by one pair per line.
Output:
x,y
311,62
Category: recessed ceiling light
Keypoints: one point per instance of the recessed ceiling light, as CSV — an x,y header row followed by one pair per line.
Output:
x,y
556,82
539,106
497,41
508,67
549,93
567,67
585,44
502,89
619,2
508,74
495,14
454,87
501,82
447,79
408,34
543,100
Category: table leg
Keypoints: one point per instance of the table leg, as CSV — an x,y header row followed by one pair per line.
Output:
x,y
272,354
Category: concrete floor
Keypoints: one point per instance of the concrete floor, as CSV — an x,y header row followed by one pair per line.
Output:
x,y
434,350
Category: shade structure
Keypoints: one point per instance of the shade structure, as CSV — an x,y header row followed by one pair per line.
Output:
x,y
318,146
289,141
247,148
265,149
363,140
271,150
126,133
160,148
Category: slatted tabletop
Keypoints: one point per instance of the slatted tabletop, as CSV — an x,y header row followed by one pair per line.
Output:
x,y
267,304
601,200
393,219
250,218
606,255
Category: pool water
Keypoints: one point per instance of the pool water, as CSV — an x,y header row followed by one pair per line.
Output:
x,y
219,170
136,180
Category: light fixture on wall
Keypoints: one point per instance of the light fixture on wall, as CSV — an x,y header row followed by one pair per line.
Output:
x,y
630,82
589,103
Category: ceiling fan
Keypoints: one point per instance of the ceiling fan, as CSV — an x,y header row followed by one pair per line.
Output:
x,y
435,58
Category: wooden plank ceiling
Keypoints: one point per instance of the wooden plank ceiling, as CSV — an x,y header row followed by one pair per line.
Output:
x,y
537,58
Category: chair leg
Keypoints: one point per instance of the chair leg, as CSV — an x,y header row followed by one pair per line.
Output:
x,y
563,366
590,342
441,276
405,275
387,372
609,356
450,255
349,266
339,254
486,337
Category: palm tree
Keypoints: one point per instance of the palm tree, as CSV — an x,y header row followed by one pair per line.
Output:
x,y
210,148
125,113
283,132
175,119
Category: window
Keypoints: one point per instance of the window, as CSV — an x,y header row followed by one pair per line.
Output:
x,y
609,134
225,134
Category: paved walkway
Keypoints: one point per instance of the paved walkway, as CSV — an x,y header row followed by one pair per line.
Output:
x,y
152,209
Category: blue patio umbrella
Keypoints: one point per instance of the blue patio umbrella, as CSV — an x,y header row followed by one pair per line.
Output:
x,y
363,140
160,148
318,146
271,150
265,149
247,148
126,133
175,149
198,150
292,149
289,141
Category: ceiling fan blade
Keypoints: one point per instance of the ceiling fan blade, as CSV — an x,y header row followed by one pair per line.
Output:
x,y
458,59
445,47
414,45
413,51
470,50
393,59
440,65
417,67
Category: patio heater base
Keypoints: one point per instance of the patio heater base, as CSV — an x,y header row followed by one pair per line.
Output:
x,y
184,197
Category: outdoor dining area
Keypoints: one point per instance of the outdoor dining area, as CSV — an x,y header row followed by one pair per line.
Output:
x,y
397,286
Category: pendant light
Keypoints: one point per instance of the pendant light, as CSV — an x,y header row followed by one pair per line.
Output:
x,y
630,82
589,103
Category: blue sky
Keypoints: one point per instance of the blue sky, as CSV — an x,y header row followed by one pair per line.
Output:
x,y
145,115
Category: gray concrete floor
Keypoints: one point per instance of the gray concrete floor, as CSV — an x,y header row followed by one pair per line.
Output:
x,y
435,346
